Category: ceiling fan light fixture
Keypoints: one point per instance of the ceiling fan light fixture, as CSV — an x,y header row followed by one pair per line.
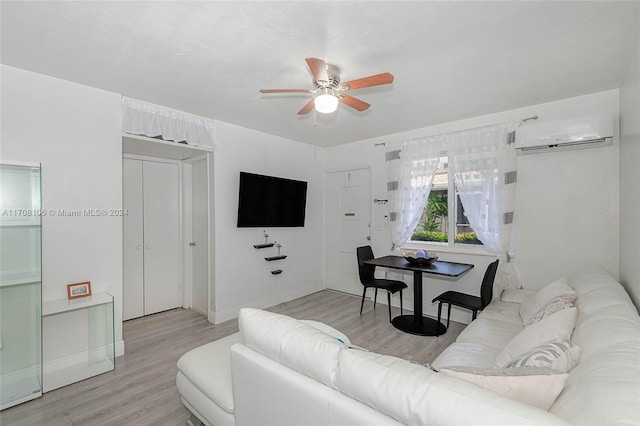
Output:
x,y
326,102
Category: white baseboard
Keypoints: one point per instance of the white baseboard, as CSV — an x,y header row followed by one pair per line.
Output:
x,y
120,348
227,314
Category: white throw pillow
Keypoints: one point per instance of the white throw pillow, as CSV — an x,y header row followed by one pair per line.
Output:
x,y
532,385
543,296
557,354
557,326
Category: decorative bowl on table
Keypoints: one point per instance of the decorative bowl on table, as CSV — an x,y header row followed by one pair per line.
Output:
x,y
420,258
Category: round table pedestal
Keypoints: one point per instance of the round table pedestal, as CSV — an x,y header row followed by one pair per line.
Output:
x,y
423,327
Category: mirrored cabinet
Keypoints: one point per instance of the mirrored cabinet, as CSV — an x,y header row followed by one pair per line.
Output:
x,y
20,284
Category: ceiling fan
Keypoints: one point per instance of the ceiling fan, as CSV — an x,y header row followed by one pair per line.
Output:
x,y
331,91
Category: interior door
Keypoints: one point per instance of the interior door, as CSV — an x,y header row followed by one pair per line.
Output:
x,y
200,240
132,248
161,187
348,224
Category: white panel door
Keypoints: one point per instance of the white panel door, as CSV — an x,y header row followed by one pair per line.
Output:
x,y
162,264
200,234
348,221
133,278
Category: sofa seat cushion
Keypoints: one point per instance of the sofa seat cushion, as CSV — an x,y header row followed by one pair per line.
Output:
x,y
293,343
467,353
208,368
415,395
502,311
489,332
516,295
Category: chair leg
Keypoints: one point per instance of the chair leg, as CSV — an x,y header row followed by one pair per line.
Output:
x,y
439,310
473,316
362,304
375,298
400,302
389,302
448,314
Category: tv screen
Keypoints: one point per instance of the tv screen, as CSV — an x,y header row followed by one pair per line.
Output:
x,y
267,201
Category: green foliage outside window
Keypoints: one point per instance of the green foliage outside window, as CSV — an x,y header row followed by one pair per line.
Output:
x,y
434,220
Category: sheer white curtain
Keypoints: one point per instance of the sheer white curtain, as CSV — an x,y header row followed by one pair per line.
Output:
x,y
411,166
143,118
483,163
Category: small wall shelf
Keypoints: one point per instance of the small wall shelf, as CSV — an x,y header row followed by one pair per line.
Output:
x,y
261,246
272,258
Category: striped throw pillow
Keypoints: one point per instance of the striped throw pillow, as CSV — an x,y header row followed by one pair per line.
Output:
x,y
557,354
554,305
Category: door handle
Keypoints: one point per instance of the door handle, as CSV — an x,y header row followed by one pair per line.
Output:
x,y
192,243
349,214
148,246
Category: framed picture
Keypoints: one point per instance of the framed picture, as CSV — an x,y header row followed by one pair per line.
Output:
x,y
78,290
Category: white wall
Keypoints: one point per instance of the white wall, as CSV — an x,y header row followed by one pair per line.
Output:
x,y
74,131
566,207
242,276
630,177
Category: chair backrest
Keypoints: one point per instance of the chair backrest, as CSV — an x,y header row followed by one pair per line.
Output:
x,y
366,272
486,290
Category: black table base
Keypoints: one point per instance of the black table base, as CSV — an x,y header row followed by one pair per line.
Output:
x,y
417,323
421,327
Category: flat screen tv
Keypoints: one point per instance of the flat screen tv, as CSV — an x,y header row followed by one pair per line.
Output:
x,y
268,201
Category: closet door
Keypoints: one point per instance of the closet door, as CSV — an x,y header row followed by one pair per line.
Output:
x,y
133,241
161,188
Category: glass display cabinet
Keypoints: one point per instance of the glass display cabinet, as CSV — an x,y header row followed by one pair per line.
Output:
x,y
20,284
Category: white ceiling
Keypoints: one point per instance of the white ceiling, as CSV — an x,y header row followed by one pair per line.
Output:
x,y
451,60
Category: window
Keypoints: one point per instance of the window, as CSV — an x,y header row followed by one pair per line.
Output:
x,y
442,210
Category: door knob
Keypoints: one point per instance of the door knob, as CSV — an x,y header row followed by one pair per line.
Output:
x,y
192,243
139,247
148,246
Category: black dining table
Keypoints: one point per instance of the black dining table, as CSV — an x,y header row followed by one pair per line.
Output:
x,y
417,323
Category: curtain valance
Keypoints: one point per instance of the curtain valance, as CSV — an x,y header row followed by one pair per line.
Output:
x,y
143,118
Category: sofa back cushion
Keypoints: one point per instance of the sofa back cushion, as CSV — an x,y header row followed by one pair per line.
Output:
x,y
603,388
416,395
294,344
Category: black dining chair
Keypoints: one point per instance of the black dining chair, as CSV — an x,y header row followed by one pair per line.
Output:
x,y
468,301
368,279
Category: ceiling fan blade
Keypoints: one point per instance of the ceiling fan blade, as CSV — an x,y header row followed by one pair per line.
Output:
x,y
307,108
318,68
286,91
373,80
354,103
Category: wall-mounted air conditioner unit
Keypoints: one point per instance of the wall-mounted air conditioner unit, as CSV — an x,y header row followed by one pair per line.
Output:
x,y
579,132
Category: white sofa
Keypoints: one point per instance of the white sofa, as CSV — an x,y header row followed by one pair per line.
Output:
x,y
281,371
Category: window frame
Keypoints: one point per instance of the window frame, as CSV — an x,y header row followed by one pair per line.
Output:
x,y
450,246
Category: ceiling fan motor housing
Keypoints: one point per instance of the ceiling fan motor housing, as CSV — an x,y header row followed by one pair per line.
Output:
x,y
333,74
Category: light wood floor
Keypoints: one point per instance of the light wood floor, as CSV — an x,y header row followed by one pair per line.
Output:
x,y
142,391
